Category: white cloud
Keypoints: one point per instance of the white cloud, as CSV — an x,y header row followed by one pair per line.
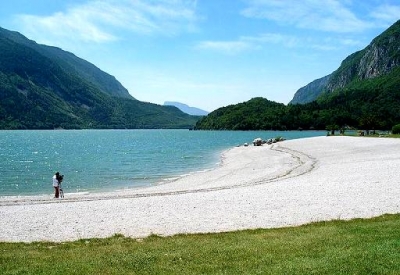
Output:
x,y
288,41
350,42
338,17
226,47
100,21
60,25
327,15
247,43
388,14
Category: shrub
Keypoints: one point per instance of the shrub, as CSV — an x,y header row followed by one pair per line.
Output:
x,y
396,129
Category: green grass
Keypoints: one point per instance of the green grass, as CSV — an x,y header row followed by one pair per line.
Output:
x,y
385,135
360,246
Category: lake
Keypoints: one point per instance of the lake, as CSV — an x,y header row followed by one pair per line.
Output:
x,y
109,160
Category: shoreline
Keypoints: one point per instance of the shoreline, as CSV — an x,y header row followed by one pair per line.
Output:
x,y
111,160
284,184
165,187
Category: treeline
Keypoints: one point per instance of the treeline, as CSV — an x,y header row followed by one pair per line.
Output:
x,y
369,104
25,105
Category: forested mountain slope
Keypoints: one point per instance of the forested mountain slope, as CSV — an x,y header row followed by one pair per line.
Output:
x,y
378,59
44,87
311,91
363,93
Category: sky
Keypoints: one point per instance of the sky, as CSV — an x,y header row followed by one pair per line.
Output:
x,y
206,53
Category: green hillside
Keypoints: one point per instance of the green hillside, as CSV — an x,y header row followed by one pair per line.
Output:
x,y
44,87
371,104
257,113
363,93
378,59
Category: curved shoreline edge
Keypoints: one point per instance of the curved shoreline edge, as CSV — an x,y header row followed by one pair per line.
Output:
x,y
285,184
302,164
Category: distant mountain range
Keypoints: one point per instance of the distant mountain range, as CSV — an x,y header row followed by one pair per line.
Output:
x,y
187,109
44,87
363,93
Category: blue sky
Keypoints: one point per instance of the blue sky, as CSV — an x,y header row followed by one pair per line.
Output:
x,y
206,53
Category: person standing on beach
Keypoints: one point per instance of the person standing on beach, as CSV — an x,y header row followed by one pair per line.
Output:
x,y
56,185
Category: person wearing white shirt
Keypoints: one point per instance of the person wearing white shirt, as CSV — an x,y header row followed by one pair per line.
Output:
x,y
56,185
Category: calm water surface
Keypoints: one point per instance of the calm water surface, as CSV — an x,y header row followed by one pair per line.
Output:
x,y
101,160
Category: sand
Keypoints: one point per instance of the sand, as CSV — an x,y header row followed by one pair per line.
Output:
x,y
289,183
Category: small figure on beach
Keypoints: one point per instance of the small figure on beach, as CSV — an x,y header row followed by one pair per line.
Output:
x,y
57,179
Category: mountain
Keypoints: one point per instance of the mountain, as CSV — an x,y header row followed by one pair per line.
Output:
x,y
378,59
70,63
186,109
255,114
44,87
363,93
311,91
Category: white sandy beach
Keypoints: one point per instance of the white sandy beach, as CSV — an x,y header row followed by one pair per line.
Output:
x,y
285,184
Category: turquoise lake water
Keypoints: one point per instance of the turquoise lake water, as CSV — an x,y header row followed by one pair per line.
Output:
x,y
106,160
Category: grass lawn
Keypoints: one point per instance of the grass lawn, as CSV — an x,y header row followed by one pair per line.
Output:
x,y
360,246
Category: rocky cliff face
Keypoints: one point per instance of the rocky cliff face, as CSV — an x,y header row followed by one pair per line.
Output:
x,y
378,59
311,91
